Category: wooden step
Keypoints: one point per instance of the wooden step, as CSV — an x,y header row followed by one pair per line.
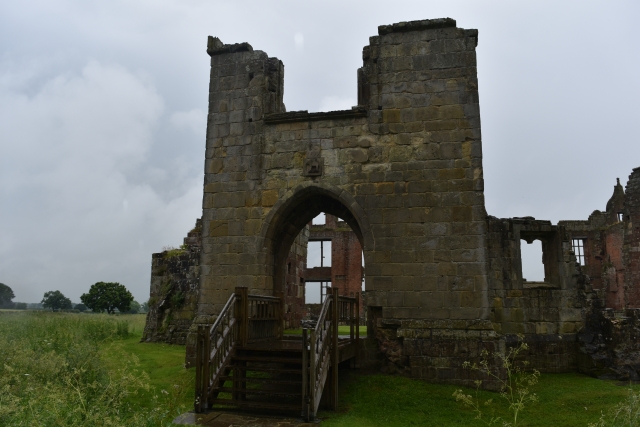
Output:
x,y
258,391
257,405
266,369
261,380
267,359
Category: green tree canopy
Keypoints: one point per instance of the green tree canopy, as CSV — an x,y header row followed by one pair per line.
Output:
x,y
6,295
81,307
108,296
55,300
135,307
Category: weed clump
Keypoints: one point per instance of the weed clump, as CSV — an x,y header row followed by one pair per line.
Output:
x,y
624,414
514,380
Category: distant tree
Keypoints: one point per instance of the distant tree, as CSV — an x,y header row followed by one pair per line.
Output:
x,y
55,300
145,306
80,307
107,296
21,306
6,295
134,308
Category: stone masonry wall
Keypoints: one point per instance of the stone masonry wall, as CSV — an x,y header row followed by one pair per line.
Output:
x,y
547,314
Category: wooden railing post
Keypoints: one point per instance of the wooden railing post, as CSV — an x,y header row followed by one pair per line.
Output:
x,y
305,376
334,350
281,319
206,372
243,314
312,375
357,328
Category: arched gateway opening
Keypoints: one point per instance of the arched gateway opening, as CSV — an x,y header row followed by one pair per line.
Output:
x,y
289,234
294,214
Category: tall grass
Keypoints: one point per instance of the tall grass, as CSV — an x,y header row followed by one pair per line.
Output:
x,y
53,372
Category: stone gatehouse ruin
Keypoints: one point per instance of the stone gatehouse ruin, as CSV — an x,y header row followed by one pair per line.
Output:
x,y
400,176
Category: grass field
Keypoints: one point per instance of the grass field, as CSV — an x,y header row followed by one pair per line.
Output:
x,y
59,369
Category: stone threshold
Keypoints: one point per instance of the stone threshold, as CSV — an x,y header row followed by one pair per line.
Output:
x,y
237,419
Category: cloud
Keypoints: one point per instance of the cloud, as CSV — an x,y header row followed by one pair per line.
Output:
x,y
334,103
298,39
74,206
194,120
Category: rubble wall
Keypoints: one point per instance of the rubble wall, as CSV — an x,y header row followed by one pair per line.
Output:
x,y
609,344
174,291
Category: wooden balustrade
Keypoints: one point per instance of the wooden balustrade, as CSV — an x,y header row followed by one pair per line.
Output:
x,y
215,347
349,314
261,317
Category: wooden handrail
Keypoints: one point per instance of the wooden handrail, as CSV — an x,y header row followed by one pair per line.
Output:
x,y
214,348
320,350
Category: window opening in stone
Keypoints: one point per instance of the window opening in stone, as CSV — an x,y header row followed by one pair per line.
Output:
x,y
316,292
319,254
532,263
620,216
578,250
321,219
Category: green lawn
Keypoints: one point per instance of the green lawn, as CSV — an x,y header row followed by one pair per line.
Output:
x,y
381,400
366,400
163,363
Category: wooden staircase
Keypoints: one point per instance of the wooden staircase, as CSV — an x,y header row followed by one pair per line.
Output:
x,y
264,378
245,362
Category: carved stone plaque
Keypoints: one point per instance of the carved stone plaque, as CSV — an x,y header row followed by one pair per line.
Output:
x,y
313,166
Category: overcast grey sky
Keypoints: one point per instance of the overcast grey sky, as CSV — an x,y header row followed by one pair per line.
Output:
x,y
103,106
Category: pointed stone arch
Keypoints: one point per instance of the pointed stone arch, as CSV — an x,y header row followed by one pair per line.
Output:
x,y
296,209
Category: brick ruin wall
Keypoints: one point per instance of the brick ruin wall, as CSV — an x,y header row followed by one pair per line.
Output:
x,y
631,248
346,271
404,170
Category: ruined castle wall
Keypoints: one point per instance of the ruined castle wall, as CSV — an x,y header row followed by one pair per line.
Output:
x,y
603,236
631,246
548,314
174,292
613,268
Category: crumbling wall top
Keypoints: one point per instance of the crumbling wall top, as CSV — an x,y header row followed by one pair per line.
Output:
x,y
425,24
216,47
